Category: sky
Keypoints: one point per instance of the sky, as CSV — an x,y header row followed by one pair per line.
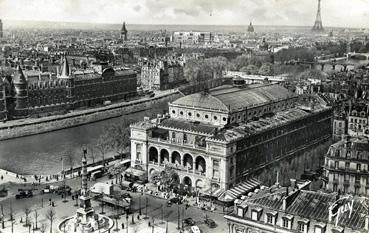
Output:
x,y
341,13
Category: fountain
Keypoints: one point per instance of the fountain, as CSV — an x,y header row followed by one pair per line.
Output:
x,y
85,220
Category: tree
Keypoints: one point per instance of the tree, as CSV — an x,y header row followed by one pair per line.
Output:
x,y
70,160
250,69
43,227
167,177
103,145
11,216
27,211
266,69
36,216
92,153
50,215
119,135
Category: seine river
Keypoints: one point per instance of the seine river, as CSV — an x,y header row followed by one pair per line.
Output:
x,y
41,154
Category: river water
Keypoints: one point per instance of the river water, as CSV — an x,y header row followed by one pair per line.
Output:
x,y
42,153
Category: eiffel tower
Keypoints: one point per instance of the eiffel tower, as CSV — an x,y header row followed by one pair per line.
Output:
x,y
318,26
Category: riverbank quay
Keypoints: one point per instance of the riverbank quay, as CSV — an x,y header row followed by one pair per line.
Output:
x,y
30,126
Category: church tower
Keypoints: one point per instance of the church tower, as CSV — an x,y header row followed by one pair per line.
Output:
x,y
21,94
66,74
124,32
250,28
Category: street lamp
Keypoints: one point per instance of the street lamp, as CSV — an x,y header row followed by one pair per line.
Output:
x,y
139,203
178,226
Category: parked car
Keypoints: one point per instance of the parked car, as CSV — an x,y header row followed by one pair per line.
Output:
x,y
195,229
64,190
24,194
210,222
189,222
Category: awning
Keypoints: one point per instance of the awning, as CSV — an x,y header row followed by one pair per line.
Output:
x,y
239,189
214,192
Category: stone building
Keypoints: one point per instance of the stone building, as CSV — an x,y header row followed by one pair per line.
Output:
x,y
192,37
346,166
34,92
297,209
219,138
161,74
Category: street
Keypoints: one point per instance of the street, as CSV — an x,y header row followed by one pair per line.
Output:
x,y
157,210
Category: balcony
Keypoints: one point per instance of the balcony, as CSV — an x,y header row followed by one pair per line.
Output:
x,y
178,143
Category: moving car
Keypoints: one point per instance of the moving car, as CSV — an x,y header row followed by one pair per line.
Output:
x,y
189,222
24,194
210,222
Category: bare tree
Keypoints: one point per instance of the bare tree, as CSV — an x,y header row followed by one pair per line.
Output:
x,y
36,216
70,160
91,148
27,211
103,145
43,227
11,216
50,215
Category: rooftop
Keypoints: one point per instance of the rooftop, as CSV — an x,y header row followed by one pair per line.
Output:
x,y
230,99
310,205
249,128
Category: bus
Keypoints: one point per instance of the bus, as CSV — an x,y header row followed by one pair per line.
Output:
x,y
98,168
125,163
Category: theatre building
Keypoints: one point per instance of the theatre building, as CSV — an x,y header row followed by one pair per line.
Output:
x,y
297,209
217,139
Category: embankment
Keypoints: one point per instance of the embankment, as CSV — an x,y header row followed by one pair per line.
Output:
x,y
27,127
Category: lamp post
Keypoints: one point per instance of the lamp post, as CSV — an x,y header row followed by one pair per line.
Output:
x,y
178,225
139,203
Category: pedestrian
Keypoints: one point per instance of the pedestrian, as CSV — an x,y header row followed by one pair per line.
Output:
x,y
49,201
2,177
149,224
52,204
138,217
122,225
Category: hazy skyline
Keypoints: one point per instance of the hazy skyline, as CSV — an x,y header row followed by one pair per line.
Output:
x,y
338,13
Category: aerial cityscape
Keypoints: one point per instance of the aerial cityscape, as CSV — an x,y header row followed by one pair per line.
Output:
x,y
199,116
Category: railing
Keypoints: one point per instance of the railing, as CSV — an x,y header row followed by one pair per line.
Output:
x,y
182,143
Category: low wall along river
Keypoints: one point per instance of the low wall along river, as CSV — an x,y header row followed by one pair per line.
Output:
x,y
41,153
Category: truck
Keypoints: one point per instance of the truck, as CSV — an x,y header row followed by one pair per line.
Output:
x,y
102,188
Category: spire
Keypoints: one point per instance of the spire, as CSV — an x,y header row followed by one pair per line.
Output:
x,y
124,29
18,76
65,70
250,28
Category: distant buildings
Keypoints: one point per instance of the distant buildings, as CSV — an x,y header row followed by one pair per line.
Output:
x,y
34,93
192,37
296,209
347,165
161,74
217,139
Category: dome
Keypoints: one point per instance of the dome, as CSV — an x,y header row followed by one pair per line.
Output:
x,y
200,100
